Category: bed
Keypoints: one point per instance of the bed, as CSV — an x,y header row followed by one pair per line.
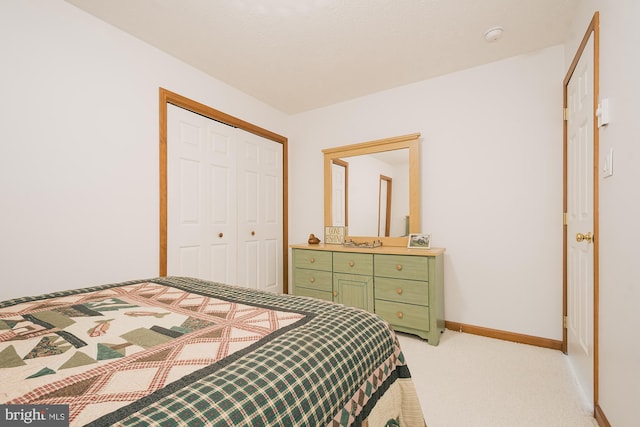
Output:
x,y
179,351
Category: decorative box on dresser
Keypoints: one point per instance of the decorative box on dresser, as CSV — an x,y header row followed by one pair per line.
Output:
x,y
403,286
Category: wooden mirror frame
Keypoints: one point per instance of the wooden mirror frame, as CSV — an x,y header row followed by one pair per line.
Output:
x,y
411,142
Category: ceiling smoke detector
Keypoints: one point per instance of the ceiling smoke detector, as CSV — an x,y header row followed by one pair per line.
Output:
x,y
493,34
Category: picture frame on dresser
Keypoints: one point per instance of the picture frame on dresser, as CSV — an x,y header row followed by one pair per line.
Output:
x,y
335,235
419,241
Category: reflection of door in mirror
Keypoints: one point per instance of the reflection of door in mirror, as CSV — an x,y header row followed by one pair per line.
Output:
x,y
384,206
364,192
340,192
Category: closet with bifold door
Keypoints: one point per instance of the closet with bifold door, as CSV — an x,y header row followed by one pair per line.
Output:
x,y
224,209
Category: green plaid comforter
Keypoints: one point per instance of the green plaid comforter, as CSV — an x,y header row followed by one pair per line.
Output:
x,y
326,364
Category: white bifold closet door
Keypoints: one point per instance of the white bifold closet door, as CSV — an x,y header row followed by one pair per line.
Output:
x,y
224,210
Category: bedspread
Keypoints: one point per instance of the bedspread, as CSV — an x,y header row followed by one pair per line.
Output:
x,y
181,351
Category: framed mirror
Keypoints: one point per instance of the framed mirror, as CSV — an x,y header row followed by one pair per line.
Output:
x,y
373,188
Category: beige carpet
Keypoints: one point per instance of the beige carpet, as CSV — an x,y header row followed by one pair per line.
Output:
x,y
473,381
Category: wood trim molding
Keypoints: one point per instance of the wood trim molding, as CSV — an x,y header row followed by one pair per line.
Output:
x,y
345,165
168,97
369,146
504,335
600,417
387,209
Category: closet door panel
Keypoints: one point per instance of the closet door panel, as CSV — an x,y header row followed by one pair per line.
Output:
x,y
272,272
222,211
260,211
201,213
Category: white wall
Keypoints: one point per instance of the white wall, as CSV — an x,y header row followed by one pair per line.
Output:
x,y
619,349
79,177
491,182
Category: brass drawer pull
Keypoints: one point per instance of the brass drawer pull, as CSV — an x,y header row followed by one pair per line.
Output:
x,y
335,293
351,263
400,315
312,279
399,267
312,260
399,291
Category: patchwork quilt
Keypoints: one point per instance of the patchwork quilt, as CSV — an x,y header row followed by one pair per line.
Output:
x,y
181,351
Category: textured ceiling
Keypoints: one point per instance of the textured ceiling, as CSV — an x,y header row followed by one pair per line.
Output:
x,y
298,55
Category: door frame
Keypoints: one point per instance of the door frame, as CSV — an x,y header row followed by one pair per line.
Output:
x,y
168,97
344,164
387,208
594,28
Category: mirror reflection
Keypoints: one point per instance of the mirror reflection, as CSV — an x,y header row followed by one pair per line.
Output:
x,y
371,193
384,206
340,192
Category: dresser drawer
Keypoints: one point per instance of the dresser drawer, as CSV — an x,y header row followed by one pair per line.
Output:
x,y
314,293
315,279
404,291
403,315
316,260
402,267
353,263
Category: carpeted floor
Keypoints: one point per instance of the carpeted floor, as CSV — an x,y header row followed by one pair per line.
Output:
x,y
473,381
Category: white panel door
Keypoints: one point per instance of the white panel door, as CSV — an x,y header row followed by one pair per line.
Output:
x,y
580,222
201,213
260,217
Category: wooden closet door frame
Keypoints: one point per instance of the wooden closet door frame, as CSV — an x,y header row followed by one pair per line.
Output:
x,y
168,97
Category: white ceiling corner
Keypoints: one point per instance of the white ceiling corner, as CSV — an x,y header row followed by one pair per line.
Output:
x,y
299,55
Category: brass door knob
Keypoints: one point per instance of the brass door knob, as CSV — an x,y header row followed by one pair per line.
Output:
x,y
335,293
400,315
588,237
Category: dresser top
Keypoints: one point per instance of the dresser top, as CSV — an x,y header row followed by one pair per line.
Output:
x,y
388,250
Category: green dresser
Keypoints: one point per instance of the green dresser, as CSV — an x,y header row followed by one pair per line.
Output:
x,y
404,286
353,279
313,273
